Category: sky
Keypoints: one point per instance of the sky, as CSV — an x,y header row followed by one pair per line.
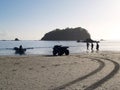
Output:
x,y
31,19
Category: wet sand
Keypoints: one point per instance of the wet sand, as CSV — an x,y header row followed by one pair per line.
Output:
x,y
86,71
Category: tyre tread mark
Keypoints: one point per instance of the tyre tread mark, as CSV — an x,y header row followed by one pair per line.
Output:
x,y
106,78
102,64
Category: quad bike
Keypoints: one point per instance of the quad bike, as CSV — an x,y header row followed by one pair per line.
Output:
x,y
60,50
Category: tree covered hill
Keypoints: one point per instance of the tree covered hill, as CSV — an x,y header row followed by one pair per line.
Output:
x,y
67,34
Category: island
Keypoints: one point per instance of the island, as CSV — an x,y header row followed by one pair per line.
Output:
x,y
16,39
67,34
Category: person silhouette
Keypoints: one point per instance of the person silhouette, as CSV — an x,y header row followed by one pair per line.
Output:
x,y
97,46
20,47
87,46
92,46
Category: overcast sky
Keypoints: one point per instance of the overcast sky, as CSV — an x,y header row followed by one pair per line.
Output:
x,y
31,19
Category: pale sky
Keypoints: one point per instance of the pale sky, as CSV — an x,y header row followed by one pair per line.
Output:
x,y
31,19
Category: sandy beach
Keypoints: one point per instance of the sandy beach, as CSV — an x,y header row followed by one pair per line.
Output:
x,y
86,71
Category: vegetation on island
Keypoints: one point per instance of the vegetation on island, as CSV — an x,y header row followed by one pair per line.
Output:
x,y
77,34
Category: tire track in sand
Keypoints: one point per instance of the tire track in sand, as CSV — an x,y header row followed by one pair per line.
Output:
x,y
106,78
101,65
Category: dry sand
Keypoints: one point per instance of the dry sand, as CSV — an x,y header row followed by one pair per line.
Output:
x,y
86,71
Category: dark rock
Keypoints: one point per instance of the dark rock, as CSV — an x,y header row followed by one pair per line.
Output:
x,y
91,41
16,39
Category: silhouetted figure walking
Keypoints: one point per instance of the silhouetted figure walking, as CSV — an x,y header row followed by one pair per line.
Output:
x,y
97,46
20,47
87,46
92,46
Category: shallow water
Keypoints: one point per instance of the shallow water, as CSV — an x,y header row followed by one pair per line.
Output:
x,y
45,47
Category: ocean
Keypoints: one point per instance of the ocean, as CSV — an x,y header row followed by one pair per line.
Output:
x,y
46,47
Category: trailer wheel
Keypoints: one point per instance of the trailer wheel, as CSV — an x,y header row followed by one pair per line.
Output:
x,y
66,52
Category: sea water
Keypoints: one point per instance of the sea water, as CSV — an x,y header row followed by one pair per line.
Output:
x,y
46,47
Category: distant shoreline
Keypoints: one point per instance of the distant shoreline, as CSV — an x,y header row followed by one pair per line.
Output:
x,y
71,54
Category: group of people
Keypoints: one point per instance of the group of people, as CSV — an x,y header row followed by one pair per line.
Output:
x,y
92,46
